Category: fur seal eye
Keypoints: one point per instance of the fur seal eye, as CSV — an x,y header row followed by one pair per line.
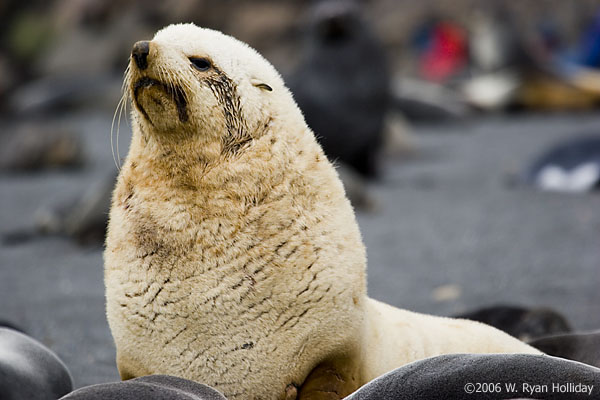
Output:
x,y
201,64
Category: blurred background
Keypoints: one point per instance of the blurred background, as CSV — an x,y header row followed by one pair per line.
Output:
x,y
467,134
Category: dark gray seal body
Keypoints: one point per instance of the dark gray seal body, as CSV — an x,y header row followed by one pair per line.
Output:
x,y
29,370
456,377
520,322
152,387
583,347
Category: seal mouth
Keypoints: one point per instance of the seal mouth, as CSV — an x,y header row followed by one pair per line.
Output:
x,y
175,92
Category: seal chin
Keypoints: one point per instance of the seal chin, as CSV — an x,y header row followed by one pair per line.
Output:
x,y
153,97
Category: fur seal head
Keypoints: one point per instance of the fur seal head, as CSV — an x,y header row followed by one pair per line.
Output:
x,y
187,75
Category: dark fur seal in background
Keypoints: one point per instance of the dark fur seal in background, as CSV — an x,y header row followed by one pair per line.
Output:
x,y
582,347
520,322
29,370
152,387
455,376
342,85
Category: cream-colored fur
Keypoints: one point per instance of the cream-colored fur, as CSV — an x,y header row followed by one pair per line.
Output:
x,y
414,336
233,257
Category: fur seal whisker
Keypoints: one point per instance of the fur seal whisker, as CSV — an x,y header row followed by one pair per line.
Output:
x,y
122,111
112,127
122,103
185,84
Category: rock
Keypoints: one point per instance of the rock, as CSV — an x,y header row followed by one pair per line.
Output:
x,y
444,293
424,101
398,137
494,90
83,219
356,188
36,147
52,94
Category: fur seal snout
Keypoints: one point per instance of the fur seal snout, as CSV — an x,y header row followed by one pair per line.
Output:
x,y
175,94
152,87
140,53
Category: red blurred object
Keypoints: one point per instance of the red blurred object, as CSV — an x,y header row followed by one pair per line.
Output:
x,y
446,54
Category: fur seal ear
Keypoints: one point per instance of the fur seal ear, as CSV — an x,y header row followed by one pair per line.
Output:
x,y
261,85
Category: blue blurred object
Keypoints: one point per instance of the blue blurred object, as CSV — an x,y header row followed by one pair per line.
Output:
x,y
569,166
421,38
590,44
578,65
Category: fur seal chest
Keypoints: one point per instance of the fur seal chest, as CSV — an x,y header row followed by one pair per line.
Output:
x,y
233,257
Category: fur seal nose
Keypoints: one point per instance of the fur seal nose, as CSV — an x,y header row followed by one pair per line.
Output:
x,y
140,53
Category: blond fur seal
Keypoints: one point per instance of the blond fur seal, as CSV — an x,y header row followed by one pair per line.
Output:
x,y
233,257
